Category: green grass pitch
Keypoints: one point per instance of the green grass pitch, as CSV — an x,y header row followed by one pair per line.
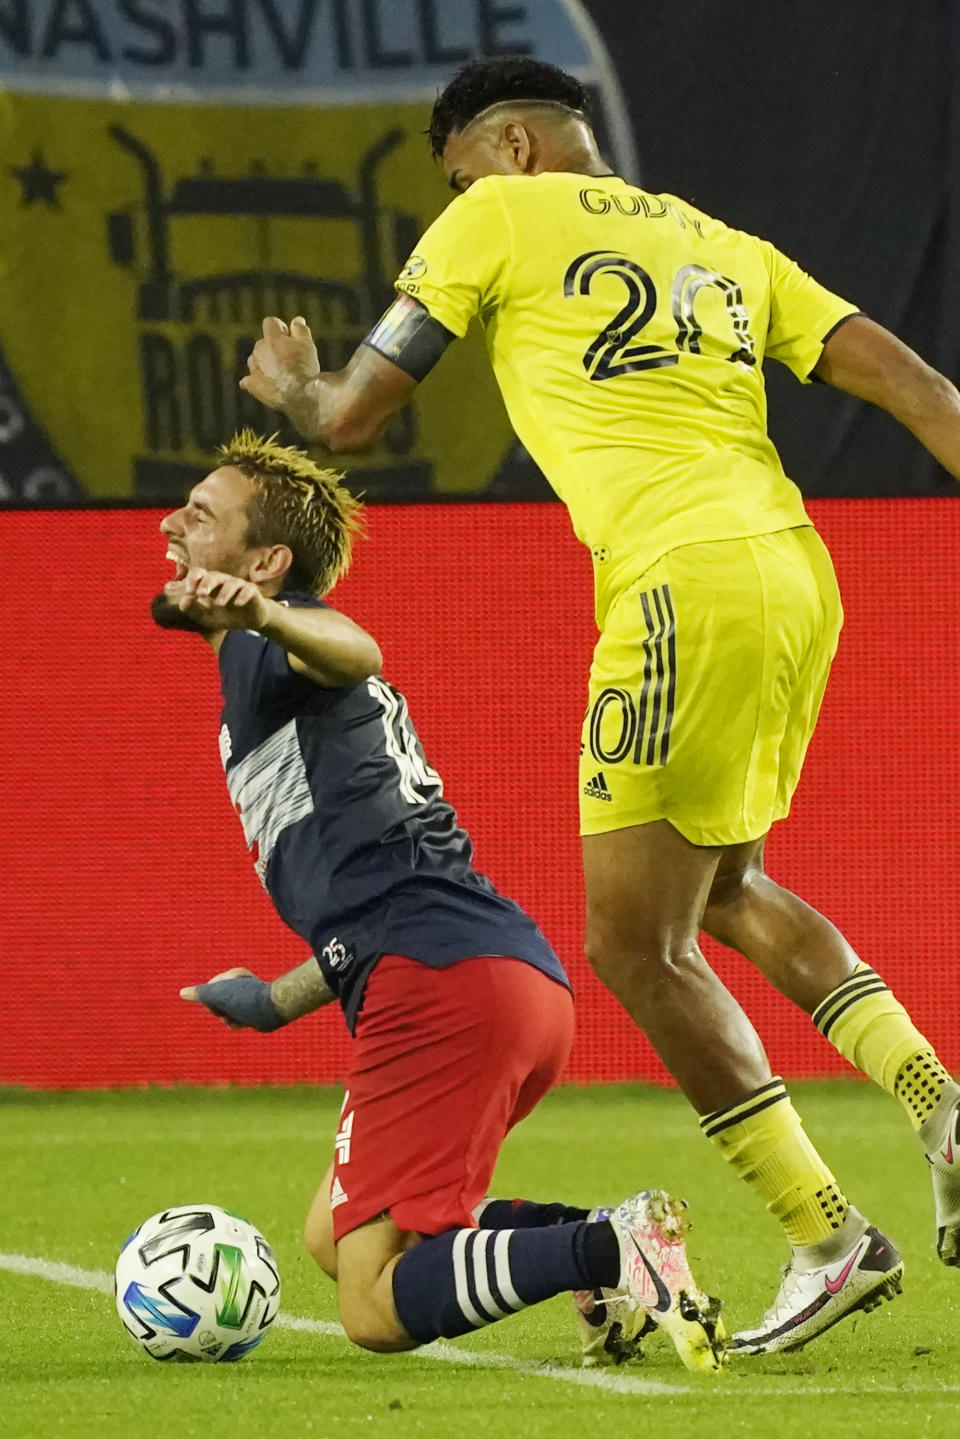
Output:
x,y
80,1171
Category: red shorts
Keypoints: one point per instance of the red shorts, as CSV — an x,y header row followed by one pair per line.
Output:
x,y
445,1062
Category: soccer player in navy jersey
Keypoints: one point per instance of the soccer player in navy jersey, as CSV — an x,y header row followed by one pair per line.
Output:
x,y
461,1012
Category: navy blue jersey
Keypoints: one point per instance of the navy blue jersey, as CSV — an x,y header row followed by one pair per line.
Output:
x,y
349,830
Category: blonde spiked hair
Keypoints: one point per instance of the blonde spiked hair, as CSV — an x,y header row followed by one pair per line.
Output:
x,y
298,504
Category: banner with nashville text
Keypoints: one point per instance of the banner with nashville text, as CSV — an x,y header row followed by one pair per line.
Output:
x,y
174,170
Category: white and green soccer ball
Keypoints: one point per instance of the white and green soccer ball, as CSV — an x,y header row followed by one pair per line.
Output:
x,y
197,1283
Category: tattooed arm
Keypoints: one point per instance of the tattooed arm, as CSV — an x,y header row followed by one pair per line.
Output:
x,y
300,991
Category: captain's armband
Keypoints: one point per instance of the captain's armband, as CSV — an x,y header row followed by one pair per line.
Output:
x,y
409,337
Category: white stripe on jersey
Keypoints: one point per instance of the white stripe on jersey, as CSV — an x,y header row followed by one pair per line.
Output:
x,y
269,790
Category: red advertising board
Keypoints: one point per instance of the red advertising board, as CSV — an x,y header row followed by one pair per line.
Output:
x,y
124,873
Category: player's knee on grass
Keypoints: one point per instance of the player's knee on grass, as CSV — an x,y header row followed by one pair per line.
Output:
x,y
367,1325
366,1259
318,1229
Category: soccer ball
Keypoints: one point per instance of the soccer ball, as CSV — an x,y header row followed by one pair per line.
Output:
x,y
197,1283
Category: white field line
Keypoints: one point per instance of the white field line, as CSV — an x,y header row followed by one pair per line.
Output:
x,y
102,1281
615,1382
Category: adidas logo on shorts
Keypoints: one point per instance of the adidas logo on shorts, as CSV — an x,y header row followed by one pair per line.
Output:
x,y
338,1194
596,788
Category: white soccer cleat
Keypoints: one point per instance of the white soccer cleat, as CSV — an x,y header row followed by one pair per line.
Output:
x,y
611,1325
812,1300
650,1228
610,1321
945,1174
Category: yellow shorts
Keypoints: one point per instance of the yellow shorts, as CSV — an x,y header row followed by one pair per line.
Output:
x,y
705,688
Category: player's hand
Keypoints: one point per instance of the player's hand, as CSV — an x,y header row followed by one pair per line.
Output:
x,y
218,601
190,992
239,998
283,364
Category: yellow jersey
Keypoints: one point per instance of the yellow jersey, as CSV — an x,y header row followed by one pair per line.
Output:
x,y
627,331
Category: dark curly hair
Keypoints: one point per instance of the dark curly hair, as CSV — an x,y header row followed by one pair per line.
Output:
x,y
488,82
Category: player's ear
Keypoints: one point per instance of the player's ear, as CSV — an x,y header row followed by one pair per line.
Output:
x,y
518,143
271,563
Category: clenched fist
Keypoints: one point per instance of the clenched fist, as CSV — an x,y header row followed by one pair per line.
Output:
x,y
217,601
283,364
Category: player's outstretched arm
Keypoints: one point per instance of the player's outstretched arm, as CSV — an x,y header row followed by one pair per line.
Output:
x,y
866,360
243,1001
344,410
322,644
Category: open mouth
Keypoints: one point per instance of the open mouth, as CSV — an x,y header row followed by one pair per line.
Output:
x,y
180,566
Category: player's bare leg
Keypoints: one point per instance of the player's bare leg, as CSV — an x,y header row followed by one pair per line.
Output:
x,y
809,961
647,888
364,1292
366,1259
318,1228
800,952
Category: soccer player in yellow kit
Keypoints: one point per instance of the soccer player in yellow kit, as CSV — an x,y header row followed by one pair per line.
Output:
x,y
626,331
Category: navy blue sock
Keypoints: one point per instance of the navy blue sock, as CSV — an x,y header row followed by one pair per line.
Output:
x,y
524,1214
466,1278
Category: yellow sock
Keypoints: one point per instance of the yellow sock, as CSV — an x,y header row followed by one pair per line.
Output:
x,y
871,1029
762,1139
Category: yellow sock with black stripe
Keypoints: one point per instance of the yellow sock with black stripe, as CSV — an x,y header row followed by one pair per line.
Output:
x,y
873,1031
761,1137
